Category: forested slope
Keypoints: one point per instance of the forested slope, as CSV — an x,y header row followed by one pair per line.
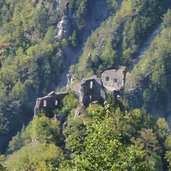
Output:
x,y
40,39
154,66
33,37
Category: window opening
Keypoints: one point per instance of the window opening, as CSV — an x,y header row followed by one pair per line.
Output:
x,y
91,84
44,103
115,80
90,98
107,79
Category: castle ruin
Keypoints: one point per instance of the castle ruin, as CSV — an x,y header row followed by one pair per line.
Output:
x,y
87,91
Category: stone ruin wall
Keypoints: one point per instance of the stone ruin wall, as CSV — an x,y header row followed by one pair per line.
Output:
x,y
87,91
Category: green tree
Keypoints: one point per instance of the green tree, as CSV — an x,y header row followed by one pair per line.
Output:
x,y
74,39
43,129
35,157
167,19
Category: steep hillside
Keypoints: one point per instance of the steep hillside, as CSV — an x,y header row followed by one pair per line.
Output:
x,y
42,41
100,11
155,64
37,39
118,40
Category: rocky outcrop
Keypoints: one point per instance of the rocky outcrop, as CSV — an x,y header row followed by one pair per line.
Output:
x,y
62,29
70,79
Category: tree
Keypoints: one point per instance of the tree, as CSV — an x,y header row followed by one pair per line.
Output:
x,y
45,130
35,157
74,39
167,19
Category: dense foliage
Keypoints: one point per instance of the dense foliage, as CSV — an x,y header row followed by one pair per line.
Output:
x,y
156,62
36,38
31,56
101,138
117,41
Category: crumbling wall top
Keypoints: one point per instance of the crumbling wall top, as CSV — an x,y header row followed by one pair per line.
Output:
x,y
113,80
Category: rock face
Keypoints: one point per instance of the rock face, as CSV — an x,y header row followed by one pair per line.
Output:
x,y
63,29
113,80
91,89
49,103
70,79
